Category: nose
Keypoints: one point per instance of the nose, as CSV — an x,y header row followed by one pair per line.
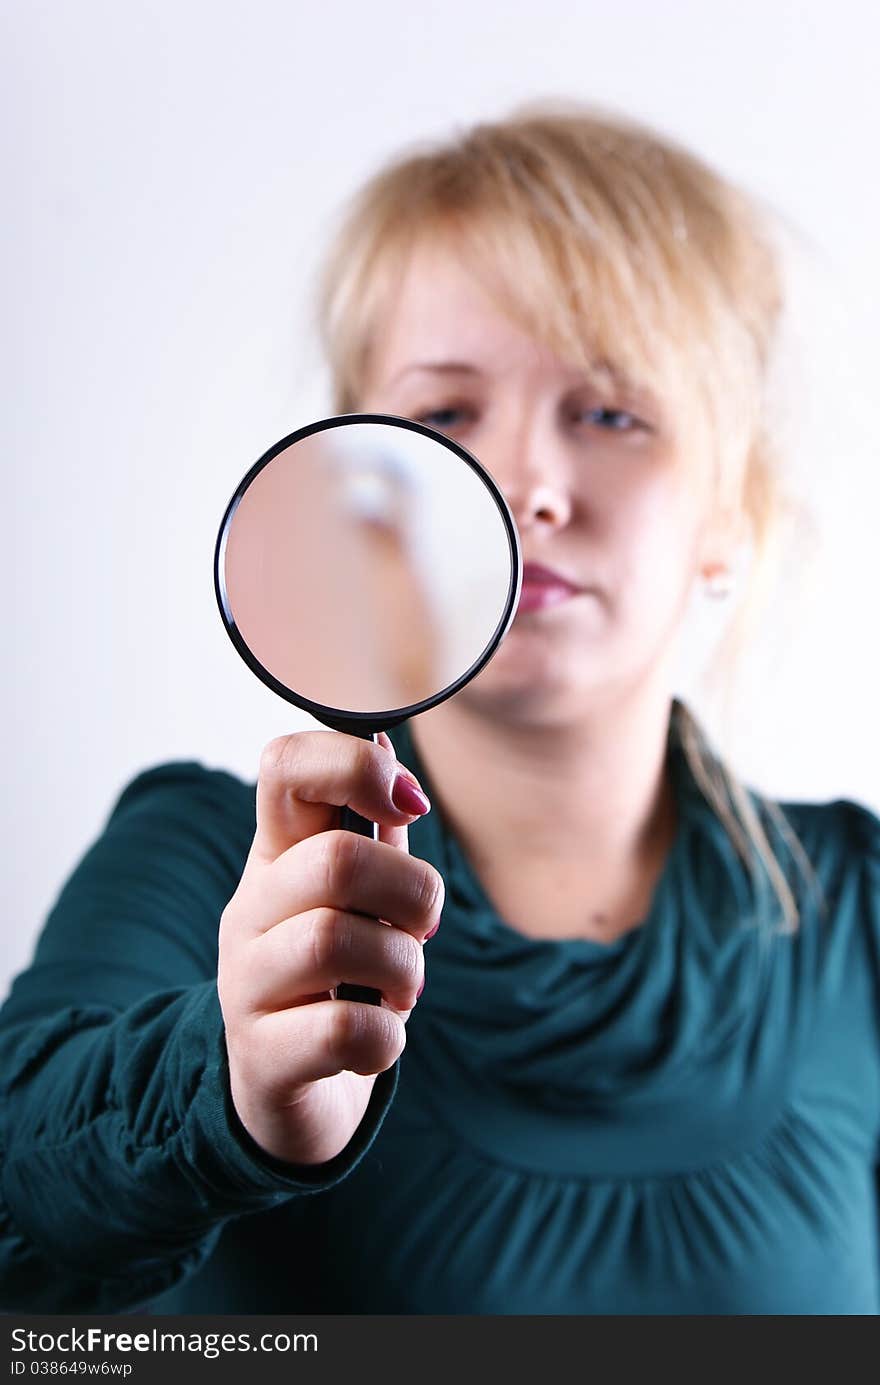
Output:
x,y
538,504
533,479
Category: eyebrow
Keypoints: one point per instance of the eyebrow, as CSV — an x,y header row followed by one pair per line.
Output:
x,y
600,372
441,367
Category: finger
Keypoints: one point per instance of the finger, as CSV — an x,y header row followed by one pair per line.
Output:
x,y
308,955
394,836
314,1041
305,777
342,870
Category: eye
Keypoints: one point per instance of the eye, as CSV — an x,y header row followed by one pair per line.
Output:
x,y
613,420
441,419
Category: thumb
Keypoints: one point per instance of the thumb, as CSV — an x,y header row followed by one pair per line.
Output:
x,y
306,777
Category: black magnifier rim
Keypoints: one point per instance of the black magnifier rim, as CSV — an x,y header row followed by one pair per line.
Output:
x,y
334,716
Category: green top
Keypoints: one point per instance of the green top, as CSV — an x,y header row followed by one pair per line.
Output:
x,y
683,1121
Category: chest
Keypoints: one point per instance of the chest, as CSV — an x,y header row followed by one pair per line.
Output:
x,y
559,898
733,1199
426,1227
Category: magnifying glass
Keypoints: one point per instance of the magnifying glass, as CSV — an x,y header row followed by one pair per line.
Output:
x,y
367,568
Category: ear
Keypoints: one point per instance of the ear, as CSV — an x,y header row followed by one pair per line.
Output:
x,y
725,534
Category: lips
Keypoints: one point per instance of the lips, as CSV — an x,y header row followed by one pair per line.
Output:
x,y
543,587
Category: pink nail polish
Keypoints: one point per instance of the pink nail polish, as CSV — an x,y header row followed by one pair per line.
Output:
x,y
421,988
407,798
432,932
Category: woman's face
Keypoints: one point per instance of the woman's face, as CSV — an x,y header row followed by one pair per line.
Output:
x,y
602,489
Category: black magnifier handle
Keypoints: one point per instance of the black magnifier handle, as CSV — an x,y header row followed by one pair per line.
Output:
x,y
350,821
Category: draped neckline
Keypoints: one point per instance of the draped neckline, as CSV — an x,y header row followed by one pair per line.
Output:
x,y
641,1028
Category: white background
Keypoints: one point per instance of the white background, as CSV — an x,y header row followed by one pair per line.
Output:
x,y
169,173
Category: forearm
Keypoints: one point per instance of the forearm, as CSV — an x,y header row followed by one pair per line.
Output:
x,y
123,1157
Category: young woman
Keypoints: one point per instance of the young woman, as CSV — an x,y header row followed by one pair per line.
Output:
x,y
644,1075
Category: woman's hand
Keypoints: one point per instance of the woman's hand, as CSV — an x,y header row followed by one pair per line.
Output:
x,y
305,917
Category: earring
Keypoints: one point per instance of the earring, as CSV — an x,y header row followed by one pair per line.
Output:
x,y
717,580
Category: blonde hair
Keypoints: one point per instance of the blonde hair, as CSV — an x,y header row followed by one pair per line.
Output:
x,y
612,246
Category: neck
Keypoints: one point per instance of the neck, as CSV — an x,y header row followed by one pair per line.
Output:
x,y
590,797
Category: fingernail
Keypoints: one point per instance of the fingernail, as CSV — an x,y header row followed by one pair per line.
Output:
x,y
432,932
407,798
421,988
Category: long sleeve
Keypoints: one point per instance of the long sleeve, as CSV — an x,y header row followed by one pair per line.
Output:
x,y
122,1156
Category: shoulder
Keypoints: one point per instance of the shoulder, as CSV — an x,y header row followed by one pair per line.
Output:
x,y
838,835
186,787
840,839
